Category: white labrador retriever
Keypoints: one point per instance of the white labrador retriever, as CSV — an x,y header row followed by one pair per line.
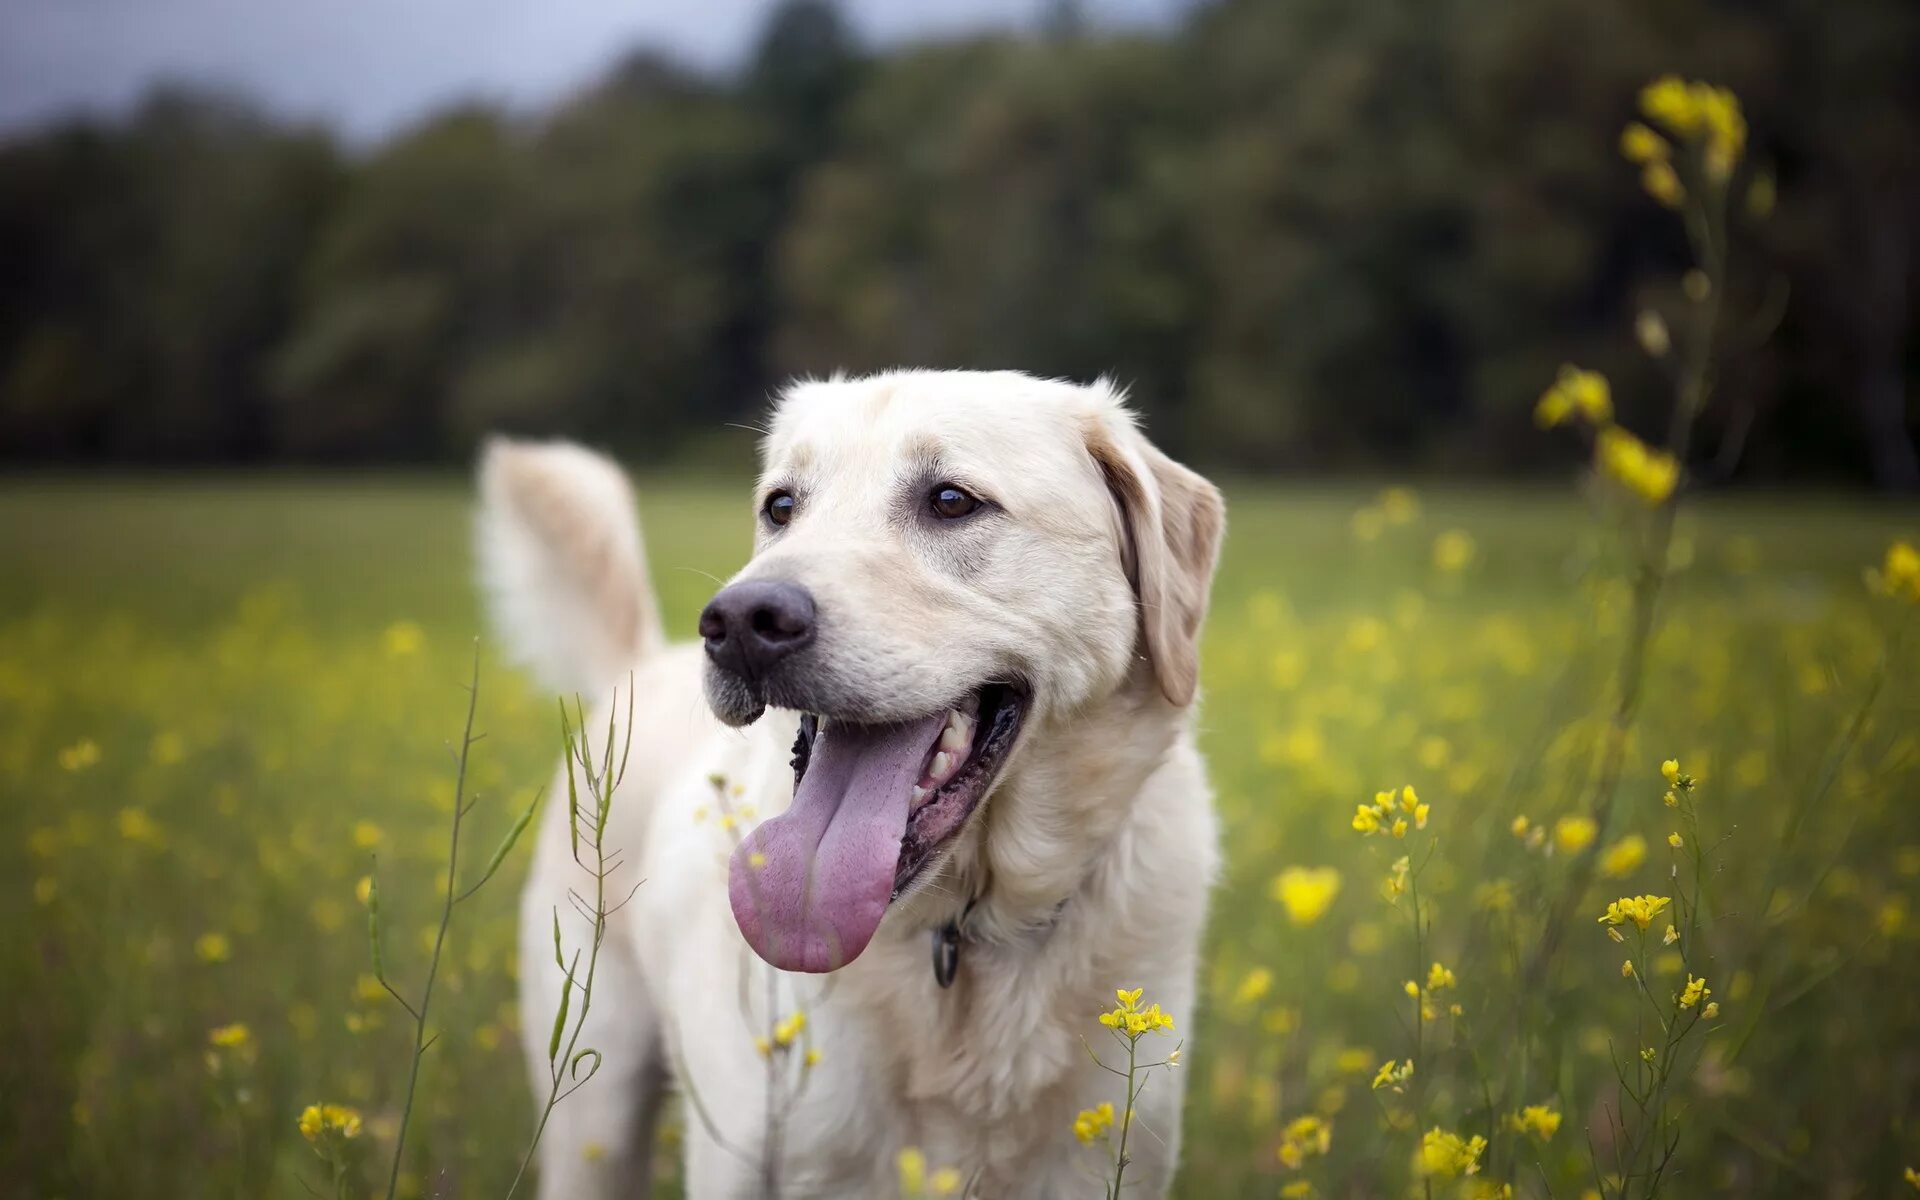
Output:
x,y
928,778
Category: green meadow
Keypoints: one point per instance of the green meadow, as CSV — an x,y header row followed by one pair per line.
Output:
x,y
222,697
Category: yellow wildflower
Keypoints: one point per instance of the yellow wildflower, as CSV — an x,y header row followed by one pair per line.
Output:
x,y
1711,1011
213,948
1641,910
1256,984
1591,395
1696,991
946,1181
1453,551
1401,872
1093,1123
1648,473
136,826
1400,827
1899,575
1726,129
1675,840
1448,1155
1538,1119
1623,856
1132,1020
1399,505
1650,330
785,1031
1640,144
1574,834
1366,819
1304,1137
1353,1060
1553,408
1626,969
1306,892
1662,182
1150,1020
319,1120
230,1037
1575,392
912,1167
1393,1076
81,755
402,639
1679,781
1439,977
1670,102
1520,825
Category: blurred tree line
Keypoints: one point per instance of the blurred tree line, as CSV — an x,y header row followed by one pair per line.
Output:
x,y
1311,234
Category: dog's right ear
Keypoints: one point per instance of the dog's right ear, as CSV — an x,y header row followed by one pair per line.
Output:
x,y
1174,520
561,562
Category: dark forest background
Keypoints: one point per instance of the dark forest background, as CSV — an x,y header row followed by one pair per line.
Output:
x,y
1312,235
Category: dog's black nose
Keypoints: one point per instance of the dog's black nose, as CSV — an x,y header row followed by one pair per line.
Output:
x,y
750,626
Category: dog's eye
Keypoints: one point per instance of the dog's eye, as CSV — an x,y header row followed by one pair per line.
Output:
x,y
950,502
779,507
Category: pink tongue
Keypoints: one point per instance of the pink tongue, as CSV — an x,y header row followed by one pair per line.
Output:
x,y
827,866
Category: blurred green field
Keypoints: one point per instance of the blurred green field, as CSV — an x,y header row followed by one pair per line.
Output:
x,y
220,697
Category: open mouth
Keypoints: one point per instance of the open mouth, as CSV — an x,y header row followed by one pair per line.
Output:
x,y
874,805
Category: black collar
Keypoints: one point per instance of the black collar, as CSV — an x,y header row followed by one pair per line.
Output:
x,y
949,938
946,946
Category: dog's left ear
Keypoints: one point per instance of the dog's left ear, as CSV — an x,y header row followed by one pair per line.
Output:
x,y
1173,521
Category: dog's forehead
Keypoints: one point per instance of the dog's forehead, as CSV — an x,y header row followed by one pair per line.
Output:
x,y
1009,427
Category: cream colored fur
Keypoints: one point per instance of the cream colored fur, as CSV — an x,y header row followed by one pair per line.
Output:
x,y
1093,856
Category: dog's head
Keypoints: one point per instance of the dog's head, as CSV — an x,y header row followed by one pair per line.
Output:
x,y
944,563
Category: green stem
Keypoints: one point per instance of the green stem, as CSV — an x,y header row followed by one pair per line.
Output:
x,y
420,1042
600,786
1696,384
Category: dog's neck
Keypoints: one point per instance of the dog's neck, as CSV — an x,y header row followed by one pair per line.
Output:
x,y
1078,886
1057,815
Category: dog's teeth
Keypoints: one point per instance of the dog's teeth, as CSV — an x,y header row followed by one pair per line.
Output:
x,y
942,766
919,795
956,735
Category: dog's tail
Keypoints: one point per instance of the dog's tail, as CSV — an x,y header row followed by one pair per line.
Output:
x,y
561,562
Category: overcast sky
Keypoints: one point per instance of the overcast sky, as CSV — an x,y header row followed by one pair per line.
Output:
x,y
368,66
